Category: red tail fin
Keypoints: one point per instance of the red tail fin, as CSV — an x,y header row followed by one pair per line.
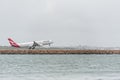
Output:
x,y
12,43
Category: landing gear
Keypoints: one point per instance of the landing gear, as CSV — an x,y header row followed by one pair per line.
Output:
x,y
34,45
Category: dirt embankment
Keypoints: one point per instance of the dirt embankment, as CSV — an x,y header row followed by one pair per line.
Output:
x,y
59,51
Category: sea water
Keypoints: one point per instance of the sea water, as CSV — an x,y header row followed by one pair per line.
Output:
x,y
60,67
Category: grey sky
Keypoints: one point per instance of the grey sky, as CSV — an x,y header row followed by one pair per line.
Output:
x,y
66,22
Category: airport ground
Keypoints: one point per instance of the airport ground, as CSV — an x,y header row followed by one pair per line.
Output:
x,y
54,50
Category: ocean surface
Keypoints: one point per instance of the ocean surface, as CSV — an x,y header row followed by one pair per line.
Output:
x,y
60,67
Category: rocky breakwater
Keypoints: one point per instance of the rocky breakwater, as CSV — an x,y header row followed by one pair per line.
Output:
x,y
37,51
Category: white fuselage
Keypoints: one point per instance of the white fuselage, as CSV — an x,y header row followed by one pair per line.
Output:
x,y
40,43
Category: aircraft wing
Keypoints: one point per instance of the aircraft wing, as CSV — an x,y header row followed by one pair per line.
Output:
x,y
34,45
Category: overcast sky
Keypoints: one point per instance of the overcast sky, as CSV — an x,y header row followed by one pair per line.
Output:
x,y
66,22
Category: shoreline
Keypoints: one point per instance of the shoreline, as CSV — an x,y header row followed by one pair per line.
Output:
x,y
57,51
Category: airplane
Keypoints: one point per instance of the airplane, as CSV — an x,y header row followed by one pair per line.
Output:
x,y
30,45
